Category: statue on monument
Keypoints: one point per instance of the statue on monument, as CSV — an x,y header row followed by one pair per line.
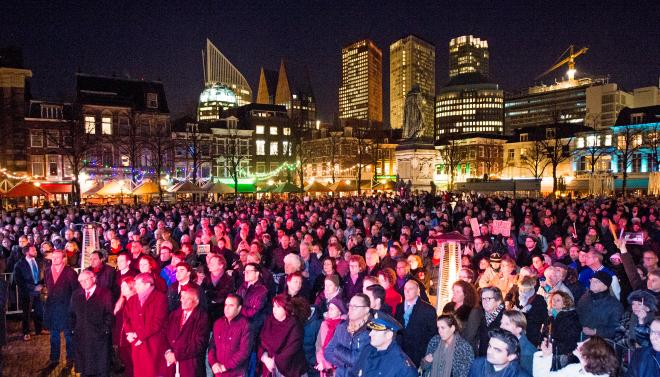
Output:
x,y
413,116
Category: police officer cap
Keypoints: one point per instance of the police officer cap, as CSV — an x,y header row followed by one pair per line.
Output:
x,y
382,322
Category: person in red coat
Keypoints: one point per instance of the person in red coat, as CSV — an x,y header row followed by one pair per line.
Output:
x,y
281,351
230,347
144,323
187,333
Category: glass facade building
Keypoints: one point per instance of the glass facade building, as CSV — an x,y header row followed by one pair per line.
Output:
x,y
468,54
412,61
361,90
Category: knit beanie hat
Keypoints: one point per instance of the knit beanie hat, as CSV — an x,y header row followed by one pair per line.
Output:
x,y
604,277
336,301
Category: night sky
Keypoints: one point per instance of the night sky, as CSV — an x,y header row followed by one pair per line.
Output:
x,y
163,39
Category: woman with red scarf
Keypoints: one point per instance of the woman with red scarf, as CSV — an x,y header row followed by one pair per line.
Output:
x,y
336,313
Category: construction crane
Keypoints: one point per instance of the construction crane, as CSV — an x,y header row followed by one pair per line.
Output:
x,y
570,60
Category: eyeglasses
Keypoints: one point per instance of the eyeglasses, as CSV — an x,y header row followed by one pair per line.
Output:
x,y
356,306
487,298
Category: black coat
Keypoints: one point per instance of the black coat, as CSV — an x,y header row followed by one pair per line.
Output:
x,y
536,317
56,307
421,328
565,331
484,329
4,297
174,296
105,277
91,321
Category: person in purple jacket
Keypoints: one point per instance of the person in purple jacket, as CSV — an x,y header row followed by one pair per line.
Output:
x,y
230,345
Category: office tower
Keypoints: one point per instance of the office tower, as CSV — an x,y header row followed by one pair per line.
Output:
x,y
469,103
412,62
219,70
361,90
468,54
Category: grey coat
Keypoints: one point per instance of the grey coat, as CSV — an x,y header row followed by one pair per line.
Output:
x,y
463,357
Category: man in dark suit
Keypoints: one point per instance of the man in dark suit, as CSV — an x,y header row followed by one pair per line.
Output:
x,y
105,275
187,333
183,280
61,281
419,322
27,276
91,321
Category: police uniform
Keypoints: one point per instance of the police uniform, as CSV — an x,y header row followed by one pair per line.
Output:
x,y
391,362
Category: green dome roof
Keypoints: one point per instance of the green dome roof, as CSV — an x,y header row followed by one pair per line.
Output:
x,y
218,93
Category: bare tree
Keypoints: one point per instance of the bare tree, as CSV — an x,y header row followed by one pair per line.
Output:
x,y
335,140
129,143
232,150
452,155
362,133
557,151
628,144
76,141
161,148
535,160
492,163
196,148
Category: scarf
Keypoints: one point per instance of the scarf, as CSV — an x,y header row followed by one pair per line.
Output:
x,y
435,261
490,317
443,359
353,327
332,326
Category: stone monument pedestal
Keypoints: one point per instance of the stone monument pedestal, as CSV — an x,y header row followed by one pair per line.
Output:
x,y
415,160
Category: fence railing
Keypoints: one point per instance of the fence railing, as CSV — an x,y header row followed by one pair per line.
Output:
x,y
13,306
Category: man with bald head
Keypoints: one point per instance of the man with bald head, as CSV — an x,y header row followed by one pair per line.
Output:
x,y
418,320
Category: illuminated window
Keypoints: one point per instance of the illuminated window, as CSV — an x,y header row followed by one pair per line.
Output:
x,y
273,130
36,139
260,130
286,131
593,141
608,140
286,148
580,142
261,147
106,126
273,148
152,100
37,164
90,125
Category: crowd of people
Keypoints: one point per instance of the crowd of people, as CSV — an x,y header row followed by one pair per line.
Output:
x,y
342,287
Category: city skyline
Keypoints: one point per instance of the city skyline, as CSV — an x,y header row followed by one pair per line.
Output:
x,y
168,45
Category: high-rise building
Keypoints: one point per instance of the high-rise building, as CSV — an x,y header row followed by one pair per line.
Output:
x,y
469,107
361,90
412,62
562,102
219,70
468,54
469,103
14,91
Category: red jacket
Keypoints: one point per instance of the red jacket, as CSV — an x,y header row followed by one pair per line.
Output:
x,y
284,343
148,322
231,345
188,342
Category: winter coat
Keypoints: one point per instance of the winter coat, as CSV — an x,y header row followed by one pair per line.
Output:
x,y
91,321
283,341
421,327
463,357
344,349
565,331
481,367
600,311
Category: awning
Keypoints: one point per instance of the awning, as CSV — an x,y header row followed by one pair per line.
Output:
x,y
114,188
317,186
146,188
285,188
218,188
188,188
343,186
57,188
632,183
24,189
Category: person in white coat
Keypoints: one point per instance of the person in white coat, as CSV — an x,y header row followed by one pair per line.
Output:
x,y
597,359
